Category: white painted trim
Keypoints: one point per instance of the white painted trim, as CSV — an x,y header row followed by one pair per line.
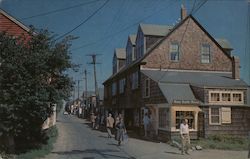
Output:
x,y
15,20
173,70
231,102
210,119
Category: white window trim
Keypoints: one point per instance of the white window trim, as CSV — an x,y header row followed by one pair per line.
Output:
x,y
204,44
170,51
210,118
231,102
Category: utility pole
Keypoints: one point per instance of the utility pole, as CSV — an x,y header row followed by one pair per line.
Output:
x,y
96,86
86,84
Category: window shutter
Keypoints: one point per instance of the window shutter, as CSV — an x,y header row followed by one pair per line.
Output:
x,y
226,115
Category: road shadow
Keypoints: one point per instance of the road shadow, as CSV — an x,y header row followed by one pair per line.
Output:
x,y
175,153
132,134
105,153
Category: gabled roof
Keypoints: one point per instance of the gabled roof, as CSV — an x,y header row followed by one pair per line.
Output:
x,y
196,78
140,60
132,38
120,53
155,30
14,20
224,43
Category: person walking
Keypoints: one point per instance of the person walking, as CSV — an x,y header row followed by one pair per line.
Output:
x,y
110,124
185,138
92,119
146,121
120,130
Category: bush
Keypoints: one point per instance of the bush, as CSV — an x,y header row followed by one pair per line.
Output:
x,y
45,149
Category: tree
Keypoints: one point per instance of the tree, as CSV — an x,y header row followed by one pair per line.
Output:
x,y
32,77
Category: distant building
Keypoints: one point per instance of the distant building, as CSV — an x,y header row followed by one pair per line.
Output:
x,y
180,72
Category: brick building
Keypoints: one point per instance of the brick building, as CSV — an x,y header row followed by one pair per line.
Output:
x,y
12,26
180,72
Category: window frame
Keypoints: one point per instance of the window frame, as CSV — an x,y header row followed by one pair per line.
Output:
x,y
203,53
210,116
221,101
171,51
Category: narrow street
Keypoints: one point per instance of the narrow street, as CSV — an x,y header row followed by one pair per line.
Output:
x,y
77,140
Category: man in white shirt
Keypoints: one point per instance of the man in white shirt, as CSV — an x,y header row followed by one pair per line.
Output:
x,y
184,132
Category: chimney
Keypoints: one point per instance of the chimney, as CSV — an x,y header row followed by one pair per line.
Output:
x,y
236,68
183,12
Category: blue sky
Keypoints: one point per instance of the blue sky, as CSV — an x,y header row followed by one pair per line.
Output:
x,y
110,27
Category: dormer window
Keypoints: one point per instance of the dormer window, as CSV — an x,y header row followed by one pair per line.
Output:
x,y
174,52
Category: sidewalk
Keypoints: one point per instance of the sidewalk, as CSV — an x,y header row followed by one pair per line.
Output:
x,y
147,150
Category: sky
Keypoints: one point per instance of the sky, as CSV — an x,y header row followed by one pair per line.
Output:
x,y
109,28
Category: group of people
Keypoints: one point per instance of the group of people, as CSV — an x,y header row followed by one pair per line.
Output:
x,y
118,125
112,124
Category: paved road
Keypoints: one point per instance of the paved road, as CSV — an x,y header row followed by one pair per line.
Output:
x,y
78,141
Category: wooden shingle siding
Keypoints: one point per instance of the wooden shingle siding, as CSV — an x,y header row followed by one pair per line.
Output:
x,y
156,96
190,51
199,93
240,125
150,40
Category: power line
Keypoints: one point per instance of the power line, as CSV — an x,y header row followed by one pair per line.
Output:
x,y
123,29
89,17
58,10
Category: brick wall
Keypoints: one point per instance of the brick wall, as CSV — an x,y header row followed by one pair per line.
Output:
x,y
190,48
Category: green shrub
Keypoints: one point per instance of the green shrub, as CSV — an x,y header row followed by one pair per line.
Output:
x,y
45,149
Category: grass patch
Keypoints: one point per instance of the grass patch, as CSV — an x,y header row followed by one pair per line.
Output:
x,y
223,142
45,149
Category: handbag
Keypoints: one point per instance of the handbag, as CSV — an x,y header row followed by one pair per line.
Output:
x,y
125,137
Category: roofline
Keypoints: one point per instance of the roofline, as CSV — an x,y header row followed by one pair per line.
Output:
x,y
177,70
137,62
15,20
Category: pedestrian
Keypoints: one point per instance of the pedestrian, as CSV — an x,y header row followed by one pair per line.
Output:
x,y
120,130
110,124
117,119
185,138
146,121
92,119
80,112
97,121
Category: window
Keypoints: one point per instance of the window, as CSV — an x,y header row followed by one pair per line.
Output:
x,y
147,88
215,97
205,53
164,118
180,115
214,116
122,85
226,97
237,97
226,115
114,89
135,80
174,52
